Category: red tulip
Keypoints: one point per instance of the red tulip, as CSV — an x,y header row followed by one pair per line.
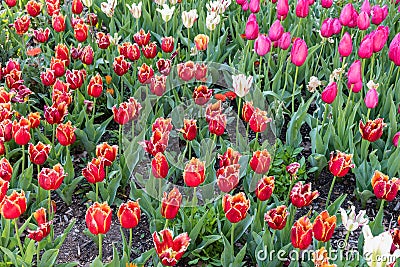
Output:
x,y
202,95
213,110
383,187
41,35
141,37
21,24
164,66
275,31
247,111
345,45
302,8
326,3
324,226
379,14
260,162
282,9
371,98
230,157
94,171
81,31
200,72
107,153
340,163
301,195
41,232
262,45
58,66
167,44
53,6
363,21
87,55
51,179
75,78
98,218
169,249
95,86
103,40
91,19
11,3
194,173
189,130
228,177
259,121
150,50
235,207
299,52
265,188
77,7
3,189
66,134
159,166
38,154
372,130
56,113
158,85
186,70
217,124
170,204
252,28
129,214
301,233
330,93
145,73
58,22
33,8
13,205
277,217
121,66
6,170
21,131
48,77
121,114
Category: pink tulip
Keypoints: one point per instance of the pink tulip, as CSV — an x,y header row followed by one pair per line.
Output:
x,y
252,27
345,45
326,3
354,73
327,28
282,9
299,52
394,50
245,6
371,98
396,139
337,26
302,8
366,7
241,2
285,41
366,47
311,2
276,31
348,16
355,87
254,6
363,21
329,94
262,45
379,14
379,38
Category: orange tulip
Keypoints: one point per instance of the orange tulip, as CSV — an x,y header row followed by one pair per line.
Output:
x,y
324,226
98,218
13,205
107,152
301,233
235,207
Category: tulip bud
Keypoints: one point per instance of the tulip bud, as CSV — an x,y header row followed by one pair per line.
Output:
x,y
75,78
299,52
371,98
345,45
396,139
254,6
38,154
301,233
51,179
275,31
6,170
366,7
326,3
21,131
366,47
145,73
394,50
285,41
40,35
98,218
262,45
94,171
372,130
189,17
252,28
324,226
194,173
277,217
95,86
260,162
129,214
379,38
235,207
301,195
265,187
13,205
167,44
107,153
346,15
330,93
11,3
170,204
340,163
383,187
354,76
33,8
66,134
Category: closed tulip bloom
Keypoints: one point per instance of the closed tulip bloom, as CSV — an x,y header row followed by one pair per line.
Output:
x,y
150,50
299,52
327,28
58,66
254,6
394,50
145,73
366,7
363,21
265,188
383,187
302,8
301,234
372,130
282,9
354,76
21,131
326,3
247,111
158,85
167,44
235,207
371,98
6,170
228,177
201,42
56,113
379,14
170,204
41,35
189,17
21,24
345,45
95,86
81,31
103,40
262,45
217,124
33,8
186,70
379,38
58,22
230,157
66,134
51,179
11,3
285,41
241,84
396,139
301,195
340,163
324,226
3,189
159,166
261,161
346,15
252,28
107,152
329,94
13,205
77,7
189,130
129,214
169,249
275,31
277,217
121,66
366,47
259,121
98,218
38,154
94,171
141,37
194,173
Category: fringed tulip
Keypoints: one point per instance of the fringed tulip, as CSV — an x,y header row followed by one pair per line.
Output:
x,y
170,204
107,152
38,154
235,207
301,195
228,177
51,179
159,166
383,187
94,171
13,205
340,163
277,217
129,214
98,218
261,161
324,226
301,233
372,130
169,249
194,173
6,170
265,188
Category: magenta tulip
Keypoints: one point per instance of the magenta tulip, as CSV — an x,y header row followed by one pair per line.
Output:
x,y
366,7
245,6
327,28
354,73
282,9
254,6
285,41
366,47
363,21
326,3
302,8
379,14
276,31
330,93
371,98
348,16
262,45
394,50
345,45
241,2
396,139
337,26
252,27
299,52
379,38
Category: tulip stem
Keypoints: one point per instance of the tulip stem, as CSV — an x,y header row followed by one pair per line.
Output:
x,y
397,77
130,241
190,150
294,87
372,66
120,138
346,238
324,118
38,254
238,119
23,160
101,247
166,224
160,189
122,91
290,190
97,192
54,134
49,203
194,198
17,235
256,142
94,108
330,192
233,236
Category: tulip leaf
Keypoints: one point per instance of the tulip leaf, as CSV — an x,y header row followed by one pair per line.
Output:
x,y
376,225
48,258
197,228
227,255
240,256
29,251
335,206
96,263
145,257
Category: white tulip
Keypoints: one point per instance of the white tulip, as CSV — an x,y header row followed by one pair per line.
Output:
x,y
352,221
241,84
135,9
189,17
166,12
212,20
108,7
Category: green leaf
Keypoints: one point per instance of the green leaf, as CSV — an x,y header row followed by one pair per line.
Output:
x,y
48,258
